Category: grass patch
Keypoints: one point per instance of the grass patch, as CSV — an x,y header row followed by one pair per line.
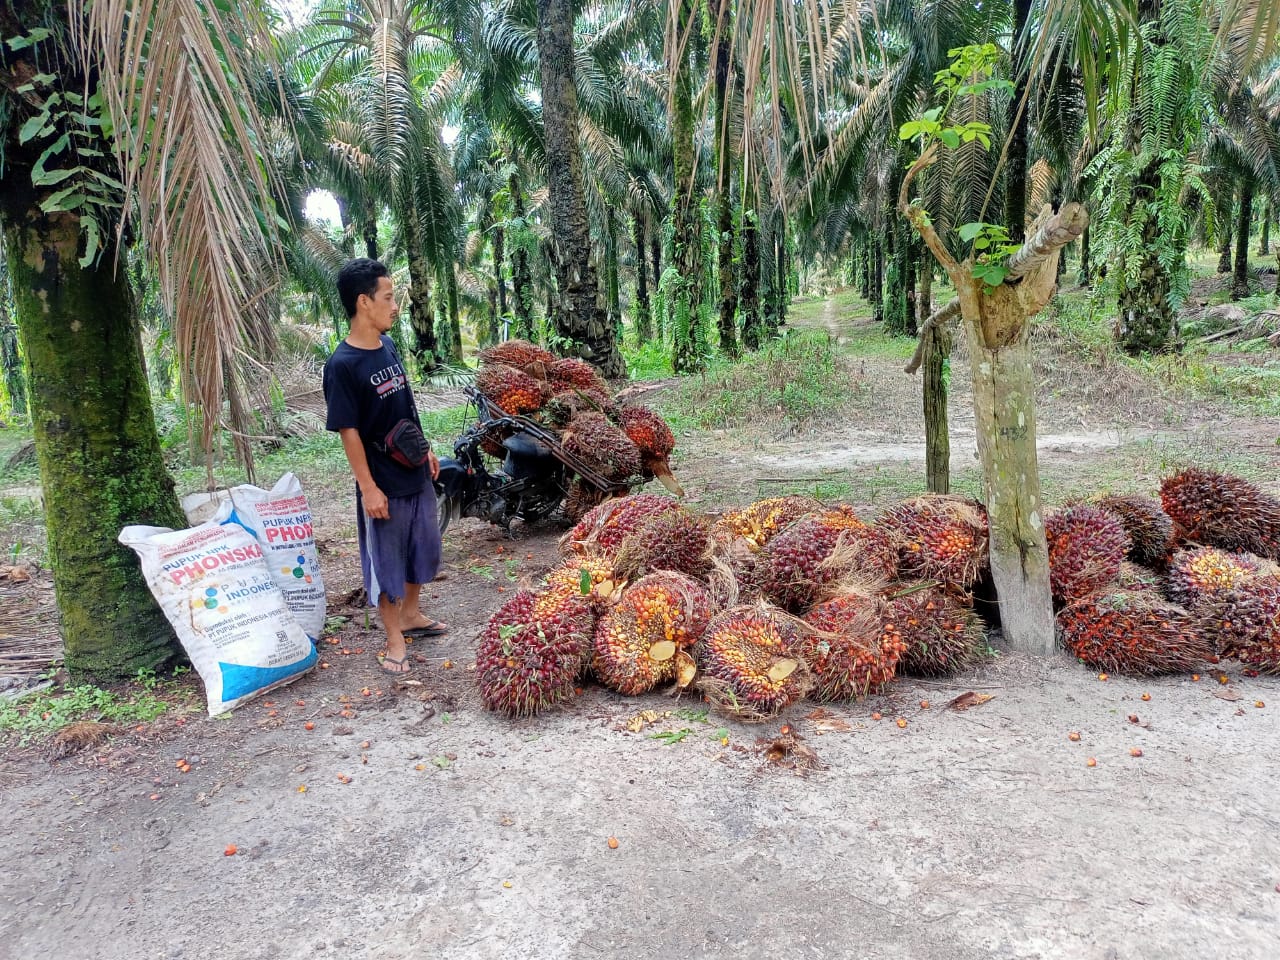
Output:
x,y
648,361
792,381
45,712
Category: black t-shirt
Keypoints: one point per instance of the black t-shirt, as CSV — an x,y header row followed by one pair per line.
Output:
x,y
368,390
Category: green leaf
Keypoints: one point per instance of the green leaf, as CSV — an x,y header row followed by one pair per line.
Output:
x,y
92,242
33,127
950,137
932,115
981,243
968,231
30,40
584,581
909,129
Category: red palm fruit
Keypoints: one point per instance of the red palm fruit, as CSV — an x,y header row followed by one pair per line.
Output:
x,y
605,527
939,538
1244,621
525,664
588,575
648,431
516,353
763,520
821,555
570,373
1086,547
940,633
750,663
852,648
1220,510
1149,527
672,540
642,641
602,447
511,389
1199,575
568,605
1136,633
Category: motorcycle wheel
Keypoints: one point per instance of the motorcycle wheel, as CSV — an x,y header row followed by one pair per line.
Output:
x,y
446,509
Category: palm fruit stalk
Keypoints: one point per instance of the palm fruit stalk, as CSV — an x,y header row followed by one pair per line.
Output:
x,y
604,527
644,640
525,664
822,555
750,661
1149,527
676,540
1220,510
1139,579
1199,575
852,647
511,389
939,537
602,447
1086,547
517,353
1244,622
940,633
655,441
1135,633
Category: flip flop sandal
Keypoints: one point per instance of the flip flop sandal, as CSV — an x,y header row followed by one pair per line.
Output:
x,y
433,629
383,660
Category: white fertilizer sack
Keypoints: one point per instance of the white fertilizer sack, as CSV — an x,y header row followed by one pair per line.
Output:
x,y
231,618
281,520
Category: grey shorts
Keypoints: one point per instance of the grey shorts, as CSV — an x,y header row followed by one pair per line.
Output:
x,y
404,548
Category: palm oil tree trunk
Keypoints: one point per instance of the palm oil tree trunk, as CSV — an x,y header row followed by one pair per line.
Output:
x,y
1244,220
644,319
752,324
725,163
521,278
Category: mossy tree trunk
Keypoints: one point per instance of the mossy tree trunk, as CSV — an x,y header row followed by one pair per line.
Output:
x,y
749,297
924,302
100,462
499,264
655,251
1085,277
613,295
643,316
579,318
1264,241
932,353
422,317
452,343
725,165
1147,321
1222,220
996,333
686,298
521,277
1244,220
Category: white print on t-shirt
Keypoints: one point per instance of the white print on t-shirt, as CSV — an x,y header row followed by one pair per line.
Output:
x,y
389,380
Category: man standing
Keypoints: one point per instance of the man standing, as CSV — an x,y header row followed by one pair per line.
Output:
x,y
368,395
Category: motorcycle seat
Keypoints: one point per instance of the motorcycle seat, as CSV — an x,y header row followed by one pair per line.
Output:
x,y
525,447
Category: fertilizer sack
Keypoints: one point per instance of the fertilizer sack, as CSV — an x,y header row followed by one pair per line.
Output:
x,y
230,616
280,519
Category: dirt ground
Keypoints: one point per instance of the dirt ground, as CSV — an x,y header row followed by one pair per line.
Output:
x,y
965,834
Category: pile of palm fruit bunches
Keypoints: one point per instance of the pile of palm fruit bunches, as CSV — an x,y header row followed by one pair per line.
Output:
x,y
790,598
569,397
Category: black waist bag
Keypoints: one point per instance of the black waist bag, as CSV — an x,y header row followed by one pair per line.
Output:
x,y
406,445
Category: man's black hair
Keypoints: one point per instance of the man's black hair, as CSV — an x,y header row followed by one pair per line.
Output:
x,y
359,276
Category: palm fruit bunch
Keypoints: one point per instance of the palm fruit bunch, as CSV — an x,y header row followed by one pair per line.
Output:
x,y
570,373
1206,572
939,538
570,606
816,554
525,663
511,388
587,575
750,662
604,527
601,446
676,540
1126,632
1139,579
645,639
852,648
655,441
940,633
763,520
1086,547
560,410
517,353
1149,527
1220,510
1244,621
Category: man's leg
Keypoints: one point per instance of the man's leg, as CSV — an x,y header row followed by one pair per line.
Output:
x,y
411,616
423,563
395,659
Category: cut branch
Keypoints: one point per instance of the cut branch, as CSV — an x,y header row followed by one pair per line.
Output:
x,y
1056,232
919,219
940,317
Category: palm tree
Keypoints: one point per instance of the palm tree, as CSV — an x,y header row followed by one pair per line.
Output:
x,y
75,192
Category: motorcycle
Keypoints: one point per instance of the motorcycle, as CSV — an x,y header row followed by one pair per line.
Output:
x,y
532,481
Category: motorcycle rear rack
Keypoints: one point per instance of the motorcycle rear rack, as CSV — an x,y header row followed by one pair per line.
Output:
x,y
548,439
